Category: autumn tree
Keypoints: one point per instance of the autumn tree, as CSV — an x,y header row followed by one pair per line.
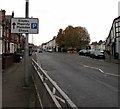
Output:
x,y
69,39
82,37
60,40
73,37
77,37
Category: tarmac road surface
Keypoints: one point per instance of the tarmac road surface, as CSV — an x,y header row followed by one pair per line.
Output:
x,y
88,82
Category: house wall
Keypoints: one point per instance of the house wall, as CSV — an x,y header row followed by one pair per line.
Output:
x,y
0,38
12,48
0,46
118,36
113,40
102,47
50,45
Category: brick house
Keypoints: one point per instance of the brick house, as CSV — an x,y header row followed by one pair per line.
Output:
x,y
10,42
0,37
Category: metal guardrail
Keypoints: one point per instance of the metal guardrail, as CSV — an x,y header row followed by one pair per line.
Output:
x,y
59,98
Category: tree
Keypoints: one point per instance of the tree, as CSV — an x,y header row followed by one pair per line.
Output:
x,y
77,37
73,37
60,40
68,34
83,38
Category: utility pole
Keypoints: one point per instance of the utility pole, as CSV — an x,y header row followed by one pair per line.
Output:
x,y
26,72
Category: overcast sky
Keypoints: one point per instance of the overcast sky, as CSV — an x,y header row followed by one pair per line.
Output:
x,y
96,15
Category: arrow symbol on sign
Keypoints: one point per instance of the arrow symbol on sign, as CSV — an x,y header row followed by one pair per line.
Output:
x,y
14,25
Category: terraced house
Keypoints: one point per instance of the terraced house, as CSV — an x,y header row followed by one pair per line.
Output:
x,y
0,37
9,43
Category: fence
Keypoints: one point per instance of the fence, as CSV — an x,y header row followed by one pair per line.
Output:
x,y
49,93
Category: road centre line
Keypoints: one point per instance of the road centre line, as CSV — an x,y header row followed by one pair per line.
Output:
x,y
101,71
112,74
94,68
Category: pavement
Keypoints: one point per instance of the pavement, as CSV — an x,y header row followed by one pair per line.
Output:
x,y
0,81
14,94
109,58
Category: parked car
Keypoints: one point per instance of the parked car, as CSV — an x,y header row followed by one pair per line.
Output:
x,y
82,52
92,53
71,50
88,52
40,51
50,50
97,54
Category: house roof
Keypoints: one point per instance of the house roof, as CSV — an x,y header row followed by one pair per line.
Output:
x,y
94,43
112,26
98,43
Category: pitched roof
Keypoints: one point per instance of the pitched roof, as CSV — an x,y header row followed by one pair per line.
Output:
x,y
112,26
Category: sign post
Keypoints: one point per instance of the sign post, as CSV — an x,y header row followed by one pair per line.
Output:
x,y
25,26
26,76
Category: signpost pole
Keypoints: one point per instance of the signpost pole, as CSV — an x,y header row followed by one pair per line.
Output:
x,y
30,27
26,73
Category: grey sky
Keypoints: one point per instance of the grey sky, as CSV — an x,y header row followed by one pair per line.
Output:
x,y
96,15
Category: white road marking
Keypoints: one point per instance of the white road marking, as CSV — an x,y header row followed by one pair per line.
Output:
x,y
101,71
112,74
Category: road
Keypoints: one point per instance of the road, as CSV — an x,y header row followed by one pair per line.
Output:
x,y
88,82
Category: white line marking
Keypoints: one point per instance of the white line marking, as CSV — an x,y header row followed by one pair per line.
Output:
x,y
112,74
101,71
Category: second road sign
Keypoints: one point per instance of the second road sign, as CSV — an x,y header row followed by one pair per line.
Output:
x,y
25,25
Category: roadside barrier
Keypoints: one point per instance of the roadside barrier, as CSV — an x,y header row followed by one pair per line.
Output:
x,y
48,92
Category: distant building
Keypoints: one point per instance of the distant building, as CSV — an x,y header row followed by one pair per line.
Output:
x,y
98,45
50,45
44,46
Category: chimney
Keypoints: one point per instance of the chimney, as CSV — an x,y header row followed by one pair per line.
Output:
x,y
2,12
12,14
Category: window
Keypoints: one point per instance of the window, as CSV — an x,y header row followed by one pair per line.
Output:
x,y
117,29
119,23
